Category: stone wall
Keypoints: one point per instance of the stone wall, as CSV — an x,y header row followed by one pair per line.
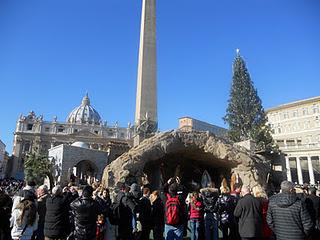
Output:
x,y
251,169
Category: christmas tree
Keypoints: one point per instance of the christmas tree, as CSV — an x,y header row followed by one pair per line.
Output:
x,y
245,115
37,167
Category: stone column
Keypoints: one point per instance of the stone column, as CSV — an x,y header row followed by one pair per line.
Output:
x,y
289,178
299,171
310,168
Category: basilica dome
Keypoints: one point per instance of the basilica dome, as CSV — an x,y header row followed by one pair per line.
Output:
x,y
85,113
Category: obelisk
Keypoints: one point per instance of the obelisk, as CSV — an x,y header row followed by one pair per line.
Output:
x,y
146,119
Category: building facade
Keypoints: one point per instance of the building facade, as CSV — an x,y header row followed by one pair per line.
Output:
x,y
2,158
83,124
191,124
77,162
296,129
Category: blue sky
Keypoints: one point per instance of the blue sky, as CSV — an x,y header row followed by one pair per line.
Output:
x,y
52,52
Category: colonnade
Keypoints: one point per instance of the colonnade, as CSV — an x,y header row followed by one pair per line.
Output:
x,y
299,168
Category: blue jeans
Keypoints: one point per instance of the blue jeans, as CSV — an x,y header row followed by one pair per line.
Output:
x,y
211,227
173,233
195,228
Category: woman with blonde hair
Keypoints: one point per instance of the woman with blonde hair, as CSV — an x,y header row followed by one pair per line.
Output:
x,y
263,198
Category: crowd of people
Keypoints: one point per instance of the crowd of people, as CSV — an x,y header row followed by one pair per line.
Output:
x,y
134,212
11,185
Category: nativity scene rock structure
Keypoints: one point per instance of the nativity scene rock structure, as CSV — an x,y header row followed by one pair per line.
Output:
x,y
189,155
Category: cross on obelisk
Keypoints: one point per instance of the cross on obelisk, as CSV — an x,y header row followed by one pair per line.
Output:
x,y
146,119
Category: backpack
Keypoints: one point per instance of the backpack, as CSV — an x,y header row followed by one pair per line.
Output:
x,y
114,213
173,210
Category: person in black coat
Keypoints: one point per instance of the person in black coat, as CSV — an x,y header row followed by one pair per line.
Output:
x,y
42,194
5,213
56,223
104,201
145,214
85,211
157,215
127,210
287,215
313,207
210,196
224,207
249,213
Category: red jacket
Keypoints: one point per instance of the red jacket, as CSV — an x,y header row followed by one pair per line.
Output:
x,y
266,231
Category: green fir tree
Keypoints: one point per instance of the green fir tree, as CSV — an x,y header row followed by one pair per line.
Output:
x,y
37,167
245,115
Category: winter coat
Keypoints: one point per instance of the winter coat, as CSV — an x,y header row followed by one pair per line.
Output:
x,y
313,207
85,211
210,198
266,231
288,217
105,205
145,212
5,210
127,209
157,212
21,229
224,207
57,217
42,209
249,213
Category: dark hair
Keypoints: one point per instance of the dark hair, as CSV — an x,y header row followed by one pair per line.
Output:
x,y
31,183
173,189
87,191
28,195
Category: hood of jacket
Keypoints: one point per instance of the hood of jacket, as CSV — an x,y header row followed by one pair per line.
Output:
x,y
284,200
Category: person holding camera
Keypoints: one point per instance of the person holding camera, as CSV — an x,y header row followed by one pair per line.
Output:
x,y
175,216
